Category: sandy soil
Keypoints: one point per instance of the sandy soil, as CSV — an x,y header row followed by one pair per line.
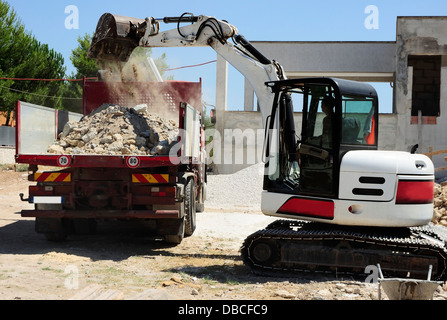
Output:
x,y
121,261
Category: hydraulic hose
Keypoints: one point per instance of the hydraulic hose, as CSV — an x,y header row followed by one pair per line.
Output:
x,y
250,48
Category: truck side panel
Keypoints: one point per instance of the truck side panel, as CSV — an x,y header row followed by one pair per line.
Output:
x,y
38,126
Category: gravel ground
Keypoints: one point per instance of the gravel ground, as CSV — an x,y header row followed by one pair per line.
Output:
x,y
240,191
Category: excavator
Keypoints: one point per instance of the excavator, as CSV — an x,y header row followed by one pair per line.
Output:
x,y
341,203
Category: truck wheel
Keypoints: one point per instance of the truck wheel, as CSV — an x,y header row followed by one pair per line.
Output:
x,y
190,208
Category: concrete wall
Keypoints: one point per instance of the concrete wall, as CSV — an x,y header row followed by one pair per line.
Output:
x,y
358,60
7,155
420,36
7,136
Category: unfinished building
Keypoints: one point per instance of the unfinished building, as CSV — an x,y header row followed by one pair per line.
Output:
x,y
415,66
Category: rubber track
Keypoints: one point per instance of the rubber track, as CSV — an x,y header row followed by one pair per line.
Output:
x,y
392,238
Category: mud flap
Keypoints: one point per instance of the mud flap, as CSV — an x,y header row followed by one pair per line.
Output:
x,y
172,230
170,227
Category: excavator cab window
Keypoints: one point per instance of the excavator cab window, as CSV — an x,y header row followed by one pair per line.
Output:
x,y
358,120
337,116
316,150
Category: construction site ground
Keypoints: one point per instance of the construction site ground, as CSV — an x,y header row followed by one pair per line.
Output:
x,y
122,261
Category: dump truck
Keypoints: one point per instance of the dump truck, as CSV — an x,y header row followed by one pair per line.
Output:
x,y
75,190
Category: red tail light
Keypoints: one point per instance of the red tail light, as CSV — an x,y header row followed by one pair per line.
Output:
x,y
41,191
163,191
414,192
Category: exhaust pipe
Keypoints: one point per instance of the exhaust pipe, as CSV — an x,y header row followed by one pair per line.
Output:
x,y
117,36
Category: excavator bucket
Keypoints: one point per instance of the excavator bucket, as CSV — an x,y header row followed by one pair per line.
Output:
x,y
116,37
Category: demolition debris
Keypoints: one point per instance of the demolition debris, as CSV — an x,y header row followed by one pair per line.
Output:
x,y
117,130
440,205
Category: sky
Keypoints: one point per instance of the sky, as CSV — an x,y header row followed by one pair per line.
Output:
x,y
59,23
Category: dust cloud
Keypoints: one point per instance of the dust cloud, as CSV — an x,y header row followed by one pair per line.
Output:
x,y
135,82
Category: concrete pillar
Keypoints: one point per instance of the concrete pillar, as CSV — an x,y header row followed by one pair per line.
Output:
x,y
249,95
221,107
442,119
221,85
443,97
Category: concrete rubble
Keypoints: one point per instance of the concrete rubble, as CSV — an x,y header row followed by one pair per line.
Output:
x,y
117,130
440,205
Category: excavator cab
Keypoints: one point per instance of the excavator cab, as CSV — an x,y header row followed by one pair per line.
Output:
x,y
337,116
344,205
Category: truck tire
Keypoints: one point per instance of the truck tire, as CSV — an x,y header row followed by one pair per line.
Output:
x,y
190,208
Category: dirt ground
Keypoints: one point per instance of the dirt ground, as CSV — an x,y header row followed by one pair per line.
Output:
x,y
123,262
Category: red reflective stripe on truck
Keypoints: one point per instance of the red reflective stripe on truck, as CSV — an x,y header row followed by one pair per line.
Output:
x,y
415,192
162,178
150,178
323,209
52,177
138,178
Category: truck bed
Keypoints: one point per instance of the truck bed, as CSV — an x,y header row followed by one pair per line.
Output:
x,y
38,127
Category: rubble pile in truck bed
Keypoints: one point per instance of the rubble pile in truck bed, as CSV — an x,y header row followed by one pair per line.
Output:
x,y
440,205
116,130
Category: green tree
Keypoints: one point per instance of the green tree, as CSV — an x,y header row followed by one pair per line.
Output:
x,y
85,67
22,56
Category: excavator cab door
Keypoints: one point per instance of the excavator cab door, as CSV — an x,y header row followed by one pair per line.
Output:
x,y
301,164
316,150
